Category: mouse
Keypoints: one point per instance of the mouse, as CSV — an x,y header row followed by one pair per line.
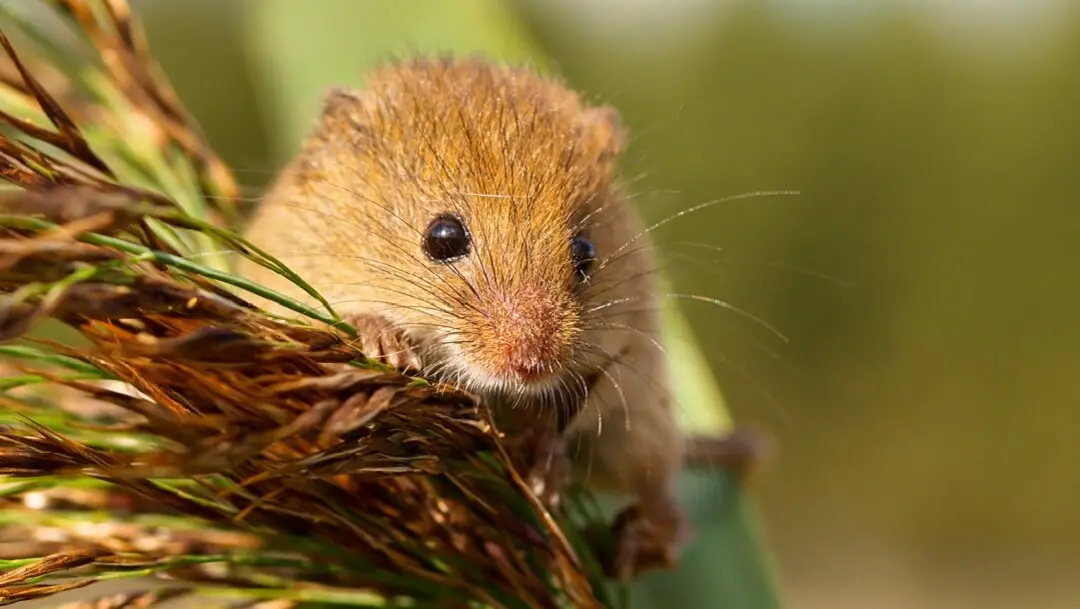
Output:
x,y
467,217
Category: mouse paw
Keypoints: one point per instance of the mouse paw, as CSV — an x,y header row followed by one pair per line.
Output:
x,y
648,536
381,340
550,473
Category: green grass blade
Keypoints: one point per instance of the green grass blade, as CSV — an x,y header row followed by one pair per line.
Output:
x,y
184,264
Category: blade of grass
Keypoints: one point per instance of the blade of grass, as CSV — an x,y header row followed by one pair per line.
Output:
x,y
144,253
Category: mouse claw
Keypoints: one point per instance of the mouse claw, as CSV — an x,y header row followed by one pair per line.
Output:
x,y
648,536
379,339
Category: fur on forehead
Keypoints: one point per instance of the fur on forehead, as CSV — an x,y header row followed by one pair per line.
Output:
x,y
456,128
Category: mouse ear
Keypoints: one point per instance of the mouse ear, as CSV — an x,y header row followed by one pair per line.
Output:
x,y
344,104
344,118
605,130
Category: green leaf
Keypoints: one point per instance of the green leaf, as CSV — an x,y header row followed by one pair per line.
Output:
x,y
701,403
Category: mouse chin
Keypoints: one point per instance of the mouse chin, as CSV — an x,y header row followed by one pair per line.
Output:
x,y
483,381
459,370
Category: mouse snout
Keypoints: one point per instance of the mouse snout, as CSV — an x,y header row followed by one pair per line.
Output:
x,y
525,366
527,338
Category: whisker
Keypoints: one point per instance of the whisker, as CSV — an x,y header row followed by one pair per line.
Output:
x,y
622,199
727,305
697,297
659,387
393,272
772,354
367,199
392,242
609,360
614,283
618,326
622,397
754,261
434,305
696,208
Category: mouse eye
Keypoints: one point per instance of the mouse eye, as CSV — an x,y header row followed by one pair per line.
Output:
x,y
584,255
446,239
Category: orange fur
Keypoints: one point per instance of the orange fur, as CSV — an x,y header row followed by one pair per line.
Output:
x,y
526,164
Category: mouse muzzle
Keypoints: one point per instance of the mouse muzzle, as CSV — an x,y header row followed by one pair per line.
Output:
x,y
527,338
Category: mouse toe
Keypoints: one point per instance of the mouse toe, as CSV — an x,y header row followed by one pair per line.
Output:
x,y
381,340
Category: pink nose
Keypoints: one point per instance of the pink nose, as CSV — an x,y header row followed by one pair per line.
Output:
x,y
531,349
527,335
527,368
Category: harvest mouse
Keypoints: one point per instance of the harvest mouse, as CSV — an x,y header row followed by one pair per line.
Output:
x,y
467,219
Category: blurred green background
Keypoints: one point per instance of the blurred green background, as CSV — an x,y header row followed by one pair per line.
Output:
x,y
927,279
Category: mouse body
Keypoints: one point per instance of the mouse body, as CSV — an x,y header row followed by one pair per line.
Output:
x,y
468,219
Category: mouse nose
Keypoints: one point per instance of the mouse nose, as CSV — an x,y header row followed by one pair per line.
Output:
x,y
532,349
530,337
525,367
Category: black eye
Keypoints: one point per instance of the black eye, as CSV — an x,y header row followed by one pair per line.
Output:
x,y
446,239
584,255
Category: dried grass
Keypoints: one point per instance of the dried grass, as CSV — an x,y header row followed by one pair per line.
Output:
x,y
193,436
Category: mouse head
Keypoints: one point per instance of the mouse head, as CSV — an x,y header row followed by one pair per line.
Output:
x,y
481,194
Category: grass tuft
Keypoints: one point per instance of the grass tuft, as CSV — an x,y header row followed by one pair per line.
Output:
x,y
190,435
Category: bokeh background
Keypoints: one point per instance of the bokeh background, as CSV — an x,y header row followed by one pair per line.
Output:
x,y
927,400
